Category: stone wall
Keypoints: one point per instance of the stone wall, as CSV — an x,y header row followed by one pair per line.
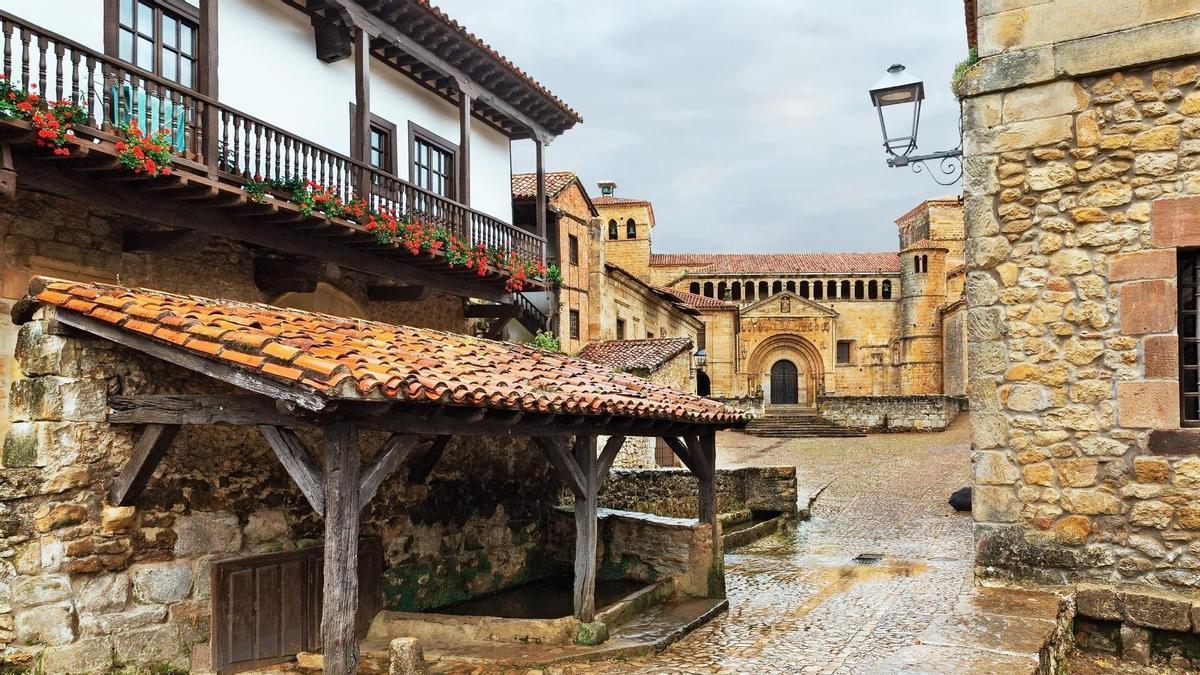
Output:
x,y
576,221
891,413
82,582
637,452
673,492
1076,153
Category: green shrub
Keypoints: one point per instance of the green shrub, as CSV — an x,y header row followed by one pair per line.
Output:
x,y
546,341
960,71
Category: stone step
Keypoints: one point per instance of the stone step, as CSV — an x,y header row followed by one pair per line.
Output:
x,y
799,423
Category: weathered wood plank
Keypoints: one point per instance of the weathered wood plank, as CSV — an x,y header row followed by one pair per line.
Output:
x,y
560,459
297,462
234,409
682,451
147,453
585,530
611,447
339,610
699,455
393,453
421,466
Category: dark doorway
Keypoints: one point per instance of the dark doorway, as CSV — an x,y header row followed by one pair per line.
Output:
x,y
784,382
703,385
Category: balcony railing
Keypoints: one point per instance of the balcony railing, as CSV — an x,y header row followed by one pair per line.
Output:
x,y
222,142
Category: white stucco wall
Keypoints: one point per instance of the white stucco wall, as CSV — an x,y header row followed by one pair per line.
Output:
x,y
78,20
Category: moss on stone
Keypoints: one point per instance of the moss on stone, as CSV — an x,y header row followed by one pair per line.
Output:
x,y
593,633
20,447
716,579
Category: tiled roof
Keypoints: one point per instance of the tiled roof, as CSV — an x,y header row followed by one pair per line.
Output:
x,y
970,14
613,200
942,201
650,354
508,65
693,300
340,358
780,263
524,185
924,245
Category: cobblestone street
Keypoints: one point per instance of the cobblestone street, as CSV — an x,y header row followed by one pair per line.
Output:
x,y
797,603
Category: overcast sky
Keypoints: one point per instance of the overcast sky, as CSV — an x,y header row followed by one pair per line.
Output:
x,y
747,123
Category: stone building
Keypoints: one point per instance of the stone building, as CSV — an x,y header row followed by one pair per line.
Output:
x,y
161,502
832,332
1082,193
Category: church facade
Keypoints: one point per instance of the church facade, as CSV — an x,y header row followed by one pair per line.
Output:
x,y
855,335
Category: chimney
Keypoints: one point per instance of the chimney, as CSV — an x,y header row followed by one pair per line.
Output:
x,y
607,187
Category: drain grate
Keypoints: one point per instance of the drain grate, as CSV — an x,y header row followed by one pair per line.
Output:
x,y
867,558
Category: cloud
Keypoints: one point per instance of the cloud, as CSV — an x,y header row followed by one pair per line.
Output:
x,y
748,123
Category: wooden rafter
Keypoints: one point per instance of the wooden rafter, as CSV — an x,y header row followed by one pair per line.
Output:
x,y
149,450
394,452
298,463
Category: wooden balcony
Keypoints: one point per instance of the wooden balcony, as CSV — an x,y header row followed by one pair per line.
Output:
x,y
216,149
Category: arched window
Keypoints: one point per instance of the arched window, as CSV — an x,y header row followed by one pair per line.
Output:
x,y
630,229
845,291
790,286
721,290
694,288
917,264
858,290
749,292
873,290
818,290
777,287
887,289
764,289
924,263
612,229
804,289
735,291
708,289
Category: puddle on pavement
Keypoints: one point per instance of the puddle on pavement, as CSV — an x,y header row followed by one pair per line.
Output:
x,y
831,581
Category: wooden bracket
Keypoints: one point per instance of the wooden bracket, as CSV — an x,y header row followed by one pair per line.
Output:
x,y
393,453
8,173
607,456
297,462
564,464
423,464
147,453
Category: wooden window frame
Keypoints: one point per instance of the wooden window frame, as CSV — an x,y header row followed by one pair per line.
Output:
x,y
1188,294
388,128
417,132
620,329
181,10
573,249
849,353
573,323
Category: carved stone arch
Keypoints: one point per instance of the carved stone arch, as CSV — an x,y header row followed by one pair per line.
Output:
x,y
793,348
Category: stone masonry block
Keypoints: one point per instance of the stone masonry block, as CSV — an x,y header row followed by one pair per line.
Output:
x,y
1098,602
1160,356
58,398
1147,307
994,504
1156,610
1148,404
1154,264
1175,222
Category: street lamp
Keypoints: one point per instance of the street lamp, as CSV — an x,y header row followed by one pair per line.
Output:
x,y
699,360
899,88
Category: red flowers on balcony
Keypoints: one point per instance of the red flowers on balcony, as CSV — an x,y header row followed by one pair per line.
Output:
x,y
52,121
145,153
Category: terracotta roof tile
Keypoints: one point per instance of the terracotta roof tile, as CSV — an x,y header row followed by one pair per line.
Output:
x,y
524,185
650,354
693,300
386,361
780,263
924,245
608,200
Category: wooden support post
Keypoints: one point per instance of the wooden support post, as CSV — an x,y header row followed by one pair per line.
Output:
x,y
339,612
464,146
210,119
298,463
585,530
705,447
8,173
147,453
541,189
360,132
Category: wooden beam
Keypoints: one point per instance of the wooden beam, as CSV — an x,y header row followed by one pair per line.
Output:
x,y
209,68
464,146
232,409
497,311
362,98
586,530
391,455
685,455
611,447
147,453
697,451
172,354
540,201
564,465
8,173
339,610
297,462
707,511
409,293
420,467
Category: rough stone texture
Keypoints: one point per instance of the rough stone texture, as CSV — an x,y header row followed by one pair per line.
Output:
x,y
405,657
1079,366
891,413
673,492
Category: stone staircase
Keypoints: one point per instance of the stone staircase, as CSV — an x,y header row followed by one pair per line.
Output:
x,y
797,422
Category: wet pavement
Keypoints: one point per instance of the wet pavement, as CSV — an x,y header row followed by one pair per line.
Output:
x,y
798,601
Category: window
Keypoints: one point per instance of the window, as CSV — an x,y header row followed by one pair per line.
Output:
x,y
433,158
612,229
620,329
843,351
694,288
1189,339
573,249
630,229
887,289
573,321
381,149
158,36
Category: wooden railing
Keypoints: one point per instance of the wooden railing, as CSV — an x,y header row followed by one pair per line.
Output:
x,y
227,143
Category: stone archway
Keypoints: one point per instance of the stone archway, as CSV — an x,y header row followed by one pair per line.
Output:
x,y
810,372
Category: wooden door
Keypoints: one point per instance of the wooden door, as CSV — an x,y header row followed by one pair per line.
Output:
x,y
266,608
784,383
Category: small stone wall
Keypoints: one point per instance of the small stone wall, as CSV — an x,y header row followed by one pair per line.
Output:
x,y
1138,624
751,404
891,413
673,492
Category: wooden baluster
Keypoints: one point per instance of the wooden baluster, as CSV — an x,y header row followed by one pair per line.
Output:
x,y
199,115
25,37
235,156
43,88
161,97
75,78
59,57
244,134
6,27
107,80
258,143
91,98
135,88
